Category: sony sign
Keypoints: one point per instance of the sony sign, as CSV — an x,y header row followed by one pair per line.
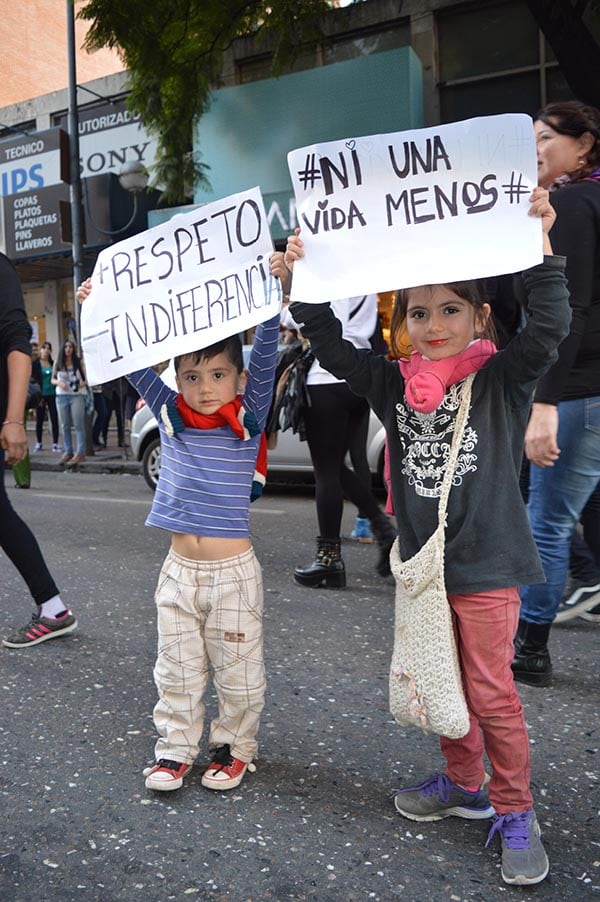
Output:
x,y
109,136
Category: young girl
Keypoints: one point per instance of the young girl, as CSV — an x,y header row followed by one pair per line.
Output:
x,y
69,379
489,548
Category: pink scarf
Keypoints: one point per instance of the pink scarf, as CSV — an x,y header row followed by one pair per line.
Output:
x,y
426,380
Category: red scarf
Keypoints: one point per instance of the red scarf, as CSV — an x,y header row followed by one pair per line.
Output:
x,y
242,423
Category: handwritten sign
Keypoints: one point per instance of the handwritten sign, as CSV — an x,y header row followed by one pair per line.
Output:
x,y
186,284
418,207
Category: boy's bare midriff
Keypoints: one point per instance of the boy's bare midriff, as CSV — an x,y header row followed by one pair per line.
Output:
x,y
207,548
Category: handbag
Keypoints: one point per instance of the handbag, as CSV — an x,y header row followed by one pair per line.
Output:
x,y
425,680
291,393
34,395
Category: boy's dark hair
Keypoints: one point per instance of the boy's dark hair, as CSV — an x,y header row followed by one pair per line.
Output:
x,y
231,346
471,290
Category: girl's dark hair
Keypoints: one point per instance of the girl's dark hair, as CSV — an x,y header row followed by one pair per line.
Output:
x,y
231,346
574,119
471,290
46,344
61,363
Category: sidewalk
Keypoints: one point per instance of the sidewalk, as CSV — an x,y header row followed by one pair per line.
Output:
x,y
112,459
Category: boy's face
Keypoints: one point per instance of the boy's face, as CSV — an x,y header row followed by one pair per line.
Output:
x,y
209,384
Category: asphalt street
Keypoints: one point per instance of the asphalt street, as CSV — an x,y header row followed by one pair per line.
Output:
x,y
315,822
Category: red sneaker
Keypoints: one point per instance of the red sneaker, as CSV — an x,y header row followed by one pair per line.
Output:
x,y
225,771
166,775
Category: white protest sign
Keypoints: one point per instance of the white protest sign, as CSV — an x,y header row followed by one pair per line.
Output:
x,y
192,281
419,207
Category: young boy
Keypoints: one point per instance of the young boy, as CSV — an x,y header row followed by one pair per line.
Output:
x,y
209,595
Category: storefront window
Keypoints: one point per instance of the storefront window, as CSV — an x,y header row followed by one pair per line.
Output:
x,y
493,59
34,307
486,38
344,47
68,311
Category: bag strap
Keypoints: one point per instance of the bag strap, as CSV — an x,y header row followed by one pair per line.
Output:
x,y
459,431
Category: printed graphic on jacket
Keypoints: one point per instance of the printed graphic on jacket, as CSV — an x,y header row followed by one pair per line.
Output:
x,y
426,439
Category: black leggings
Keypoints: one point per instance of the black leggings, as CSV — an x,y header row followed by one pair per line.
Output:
x,y
20,545
335,418
48,403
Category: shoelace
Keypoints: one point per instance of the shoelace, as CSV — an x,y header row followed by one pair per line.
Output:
x,y
222,757
169,765
438,783
514,828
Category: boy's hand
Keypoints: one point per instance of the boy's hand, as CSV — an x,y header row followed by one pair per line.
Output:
x,y
84,290
294,249
278,269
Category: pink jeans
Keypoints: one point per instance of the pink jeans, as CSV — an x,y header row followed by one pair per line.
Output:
x,y
485,624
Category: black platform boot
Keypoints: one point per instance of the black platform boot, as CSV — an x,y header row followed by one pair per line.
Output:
x,y
532,663
520,635
385,534
327,569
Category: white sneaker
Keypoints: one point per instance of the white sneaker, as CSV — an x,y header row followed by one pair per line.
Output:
x,y
37,447
57,447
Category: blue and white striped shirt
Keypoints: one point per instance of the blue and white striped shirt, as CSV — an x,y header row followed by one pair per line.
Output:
x,y
206,474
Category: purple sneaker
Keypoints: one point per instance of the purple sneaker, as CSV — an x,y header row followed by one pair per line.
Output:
x,y
439,797
524,860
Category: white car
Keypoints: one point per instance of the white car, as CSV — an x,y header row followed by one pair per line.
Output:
x,y
291,456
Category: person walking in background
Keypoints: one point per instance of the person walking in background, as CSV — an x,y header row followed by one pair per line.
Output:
x,y
489,547
102,415
563,437
52,618
335,419
69,379
41,371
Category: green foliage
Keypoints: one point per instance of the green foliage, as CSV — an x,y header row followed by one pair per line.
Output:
x,y
174,50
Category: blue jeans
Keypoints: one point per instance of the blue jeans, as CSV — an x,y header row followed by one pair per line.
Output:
x,y
71,413
557,496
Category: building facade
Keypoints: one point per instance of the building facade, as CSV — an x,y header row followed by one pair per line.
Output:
x,y
387,65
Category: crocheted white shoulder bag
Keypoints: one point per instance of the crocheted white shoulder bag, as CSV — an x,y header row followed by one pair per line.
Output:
x,y
425,681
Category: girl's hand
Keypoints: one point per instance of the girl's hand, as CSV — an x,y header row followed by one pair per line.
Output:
x,y
541,206
278,269
84,290
294,250
14,441
540,438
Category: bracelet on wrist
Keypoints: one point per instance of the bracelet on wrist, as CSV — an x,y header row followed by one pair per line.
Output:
x,y
14,422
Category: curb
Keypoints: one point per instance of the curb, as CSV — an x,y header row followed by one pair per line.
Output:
x,y
90,466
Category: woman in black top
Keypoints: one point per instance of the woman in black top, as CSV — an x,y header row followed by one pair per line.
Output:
x,y
563,437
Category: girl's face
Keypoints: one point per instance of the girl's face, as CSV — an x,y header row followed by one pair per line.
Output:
x,y
440,323
45,351
558,154
68,348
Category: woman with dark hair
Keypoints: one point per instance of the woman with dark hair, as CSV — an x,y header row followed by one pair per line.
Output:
x,y
563,437
69,378
41,371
